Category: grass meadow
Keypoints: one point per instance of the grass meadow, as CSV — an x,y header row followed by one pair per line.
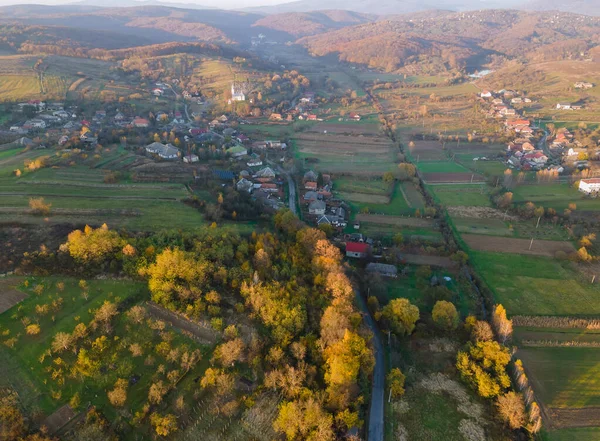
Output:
x,y
532,285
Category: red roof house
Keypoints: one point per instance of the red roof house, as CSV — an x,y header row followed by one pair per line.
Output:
x,y
357,249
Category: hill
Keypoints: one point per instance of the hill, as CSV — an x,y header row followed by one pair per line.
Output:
x,y
460,40
299,24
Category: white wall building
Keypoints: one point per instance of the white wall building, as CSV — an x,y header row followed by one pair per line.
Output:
x,y
589,186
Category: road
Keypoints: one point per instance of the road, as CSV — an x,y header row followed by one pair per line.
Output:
x,y
375,431
292,194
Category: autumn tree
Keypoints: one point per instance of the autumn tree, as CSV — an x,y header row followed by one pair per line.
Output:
x,y
39,206
304,420
483,366
230,352
445,316
395,380
61,342
176,275
511,409
502,325
12,423
164,425
481,331
156,392
92,245
118,395
401,316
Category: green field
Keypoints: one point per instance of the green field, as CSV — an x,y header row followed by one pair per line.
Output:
x,y
397,206
42,374
521,228
557,196
531,285
457,195
356,185
387,232
567,377
574,434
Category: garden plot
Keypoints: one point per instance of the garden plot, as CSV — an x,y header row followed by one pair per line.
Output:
x,y
356,128
547,248
398,221
427,151
451,178
460,199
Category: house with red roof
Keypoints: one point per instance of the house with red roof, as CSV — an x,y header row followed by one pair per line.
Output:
x,y
358,250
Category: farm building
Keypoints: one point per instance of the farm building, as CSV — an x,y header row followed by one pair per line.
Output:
x,y
357,249
163,151
244,185
266,172
590,186
382,269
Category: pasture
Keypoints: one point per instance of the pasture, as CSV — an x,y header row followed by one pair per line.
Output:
x,y
535,285
461,195
520,228
386,232
423,151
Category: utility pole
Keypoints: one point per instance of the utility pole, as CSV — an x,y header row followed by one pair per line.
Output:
x,y
531,244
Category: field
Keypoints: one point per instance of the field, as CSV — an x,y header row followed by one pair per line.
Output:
x,y
361,156
398,221
557,196
547,248
534,285
521,228
474,195
347,128
387,232
566,381
45,388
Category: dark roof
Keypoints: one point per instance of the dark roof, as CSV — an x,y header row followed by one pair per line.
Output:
x,y
223,174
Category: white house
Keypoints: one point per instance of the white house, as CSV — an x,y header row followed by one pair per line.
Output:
x,y
563,106
190,158
317,208
237,94
590,186
163,151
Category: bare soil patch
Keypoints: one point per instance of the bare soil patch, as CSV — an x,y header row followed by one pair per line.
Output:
x,y
353,128
59,418
546,248
441,261
9,295
395,220
452,177
479,213
565,417
366,198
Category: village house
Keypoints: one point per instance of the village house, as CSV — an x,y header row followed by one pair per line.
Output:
x,y
157,92
311,196
276,117
563,106
61,114
269,188
254,163
190,159
266,172
163,151
310,185
237,93
590,186
236,151
583,85
382,269
354,116
244,185
535,158
317,208
357,249
310,176
485,94
141,123
242,139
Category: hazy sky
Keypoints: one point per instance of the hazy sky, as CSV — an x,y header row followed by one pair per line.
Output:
x,y
212,3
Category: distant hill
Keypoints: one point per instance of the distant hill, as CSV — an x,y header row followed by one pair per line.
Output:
x,y
300,24
384,7
460,40
588,7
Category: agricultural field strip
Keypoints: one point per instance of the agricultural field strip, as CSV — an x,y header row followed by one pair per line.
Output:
x,y
395,220
539,247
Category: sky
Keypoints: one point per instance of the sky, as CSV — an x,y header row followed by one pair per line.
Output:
x,y
224,4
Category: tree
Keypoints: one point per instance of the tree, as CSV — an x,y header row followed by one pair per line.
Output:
x,y
176,275
33,329
12,423
304,420
157,392
483,366
61,342
395,380
230,352
388,177
511,409
406,171
164,425
39,207
445,316
118,395
345,358
502,325
482,331
93,245
401,316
